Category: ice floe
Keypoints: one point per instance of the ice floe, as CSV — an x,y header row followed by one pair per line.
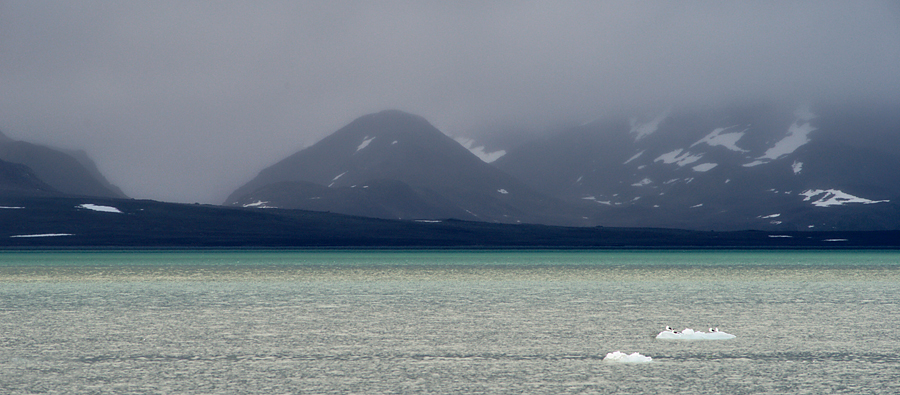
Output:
x,y
10,208
690,334
621,357
503,191
96,207
797,167
835,197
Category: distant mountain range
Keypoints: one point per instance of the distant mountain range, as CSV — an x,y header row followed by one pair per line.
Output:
x,y
803,178
747,167
751,167
32,169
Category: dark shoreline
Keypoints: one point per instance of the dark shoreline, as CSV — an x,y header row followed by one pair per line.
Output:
x,y
152,225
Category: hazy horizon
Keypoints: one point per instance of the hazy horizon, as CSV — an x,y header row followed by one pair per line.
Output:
x,y
185,102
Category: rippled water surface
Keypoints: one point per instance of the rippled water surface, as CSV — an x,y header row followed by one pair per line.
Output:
x,y
447,322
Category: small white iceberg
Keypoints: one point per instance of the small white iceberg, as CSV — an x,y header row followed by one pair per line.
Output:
x,y
690,334
621,357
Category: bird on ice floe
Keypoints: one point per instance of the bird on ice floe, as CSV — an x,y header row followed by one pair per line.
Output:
x,y
711,330
669,328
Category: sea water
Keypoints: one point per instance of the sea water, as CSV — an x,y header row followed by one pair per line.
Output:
x,y
283,322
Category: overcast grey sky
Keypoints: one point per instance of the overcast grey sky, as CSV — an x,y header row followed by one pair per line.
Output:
x,y
187,100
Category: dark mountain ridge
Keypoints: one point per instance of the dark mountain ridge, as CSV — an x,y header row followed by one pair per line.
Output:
x,y
397,165
72,173
742,167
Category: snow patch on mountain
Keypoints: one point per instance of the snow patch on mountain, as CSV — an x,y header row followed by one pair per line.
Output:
x,y
637,155
333,180
835,197
479,151
365,143
258,204
798,135
103,209
678,158
727,140
641,130
641,183
42,235
705,167
605,202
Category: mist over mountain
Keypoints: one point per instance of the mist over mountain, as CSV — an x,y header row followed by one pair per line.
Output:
x,y
53,171
740,167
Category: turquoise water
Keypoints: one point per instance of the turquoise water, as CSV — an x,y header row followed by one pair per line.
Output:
x,y
447,321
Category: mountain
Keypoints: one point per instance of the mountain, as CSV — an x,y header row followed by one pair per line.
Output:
x,y
741,167
71,173
397,165
19,180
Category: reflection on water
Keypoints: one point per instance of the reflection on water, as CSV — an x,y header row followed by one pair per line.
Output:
x,y
447,321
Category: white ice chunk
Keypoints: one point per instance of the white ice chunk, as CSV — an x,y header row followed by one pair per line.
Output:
x,y
781,236
503,191
690,334
834,197
727,140
365,143
835,240
104,209
10,208
705,167
44,235
697,205
479,151
428,221
621,357
772,216
797,167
